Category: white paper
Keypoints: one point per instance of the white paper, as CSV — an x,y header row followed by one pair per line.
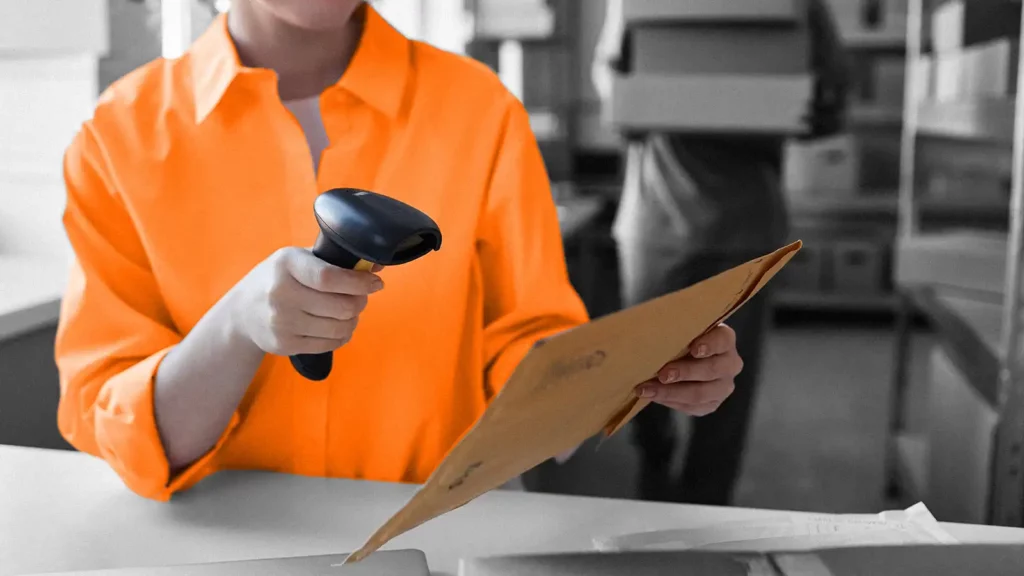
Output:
x,y
793,532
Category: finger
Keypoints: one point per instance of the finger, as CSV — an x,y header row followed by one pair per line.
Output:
x,y
329,305
309,345
689,393
709,369
327,328
695,410
314,273
718,341
376,268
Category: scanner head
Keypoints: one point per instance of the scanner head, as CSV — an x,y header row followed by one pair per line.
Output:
x,y
374,227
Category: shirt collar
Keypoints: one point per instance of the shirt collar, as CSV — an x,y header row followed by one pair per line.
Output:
x,y
376,75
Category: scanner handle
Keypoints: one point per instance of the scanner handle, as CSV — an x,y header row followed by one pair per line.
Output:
x,y
318,367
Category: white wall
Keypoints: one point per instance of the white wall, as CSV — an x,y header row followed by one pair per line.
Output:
x,y
49,82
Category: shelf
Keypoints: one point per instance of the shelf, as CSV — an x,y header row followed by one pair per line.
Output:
x,y
967,342
980,121
874,39
837,302
874,115
888,206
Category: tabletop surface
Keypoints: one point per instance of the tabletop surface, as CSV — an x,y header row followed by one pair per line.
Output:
x,y
63,511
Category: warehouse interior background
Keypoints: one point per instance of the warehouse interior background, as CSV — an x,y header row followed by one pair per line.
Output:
x,y
890,331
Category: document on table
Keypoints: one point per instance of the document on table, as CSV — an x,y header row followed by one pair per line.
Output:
x,y
574,385
793,532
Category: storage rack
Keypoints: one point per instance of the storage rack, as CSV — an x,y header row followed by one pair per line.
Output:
x,y
870,215
996,373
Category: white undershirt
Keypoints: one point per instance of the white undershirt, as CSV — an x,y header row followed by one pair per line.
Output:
x,y
307,112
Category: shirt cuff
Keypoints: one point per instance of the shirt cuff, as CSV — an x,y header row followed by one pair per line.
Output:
x,y
128,438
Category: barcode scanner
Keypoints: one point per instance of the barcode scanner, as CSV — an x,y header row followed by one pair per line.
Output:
x,y
359,229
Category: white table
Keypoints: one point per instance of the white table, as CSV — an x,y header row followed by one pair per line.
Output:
x,y
63,511
31,288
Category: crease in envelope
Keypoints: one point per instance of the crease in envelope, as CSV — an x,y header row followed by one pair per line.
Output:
x,y
574,385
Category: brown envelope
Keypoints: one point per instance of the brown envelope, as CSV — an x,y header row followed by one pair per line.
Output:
x,y
574,385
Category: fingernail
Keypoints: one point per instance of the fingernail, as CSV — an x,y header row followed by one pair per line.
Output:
x,y
377,284
646,392
702,351
669,377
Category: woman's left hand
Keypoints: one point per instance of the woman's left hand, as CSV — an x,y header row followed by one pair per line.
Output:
x,y
698,383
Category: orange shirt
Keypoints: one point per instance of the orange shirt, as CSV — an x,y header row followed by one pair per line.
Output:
x,y
192,171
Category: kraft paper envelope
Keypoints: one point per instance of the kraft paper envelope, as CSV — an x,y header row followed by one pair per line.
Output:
x,y
574,385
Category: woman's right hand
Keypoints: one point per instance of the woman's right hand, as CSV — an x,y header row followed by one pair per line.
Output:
x,y
295,303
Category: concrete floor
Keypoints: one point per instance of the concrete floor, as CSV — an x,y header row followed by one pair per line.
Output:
x,y
819,433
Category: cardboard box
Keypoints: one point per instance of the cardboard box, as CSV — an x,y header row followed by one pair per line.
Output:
x,y
712,103
721,49
992,68
825,166
951,77
924,77
514,19
947,184
972,261
662,11
858,267
957,24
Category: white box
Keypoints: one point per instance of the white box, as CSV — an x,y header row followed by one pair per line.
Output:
x,y
514,20
717,103
826,166
924,78
662,11
957,24
970,261
53,27
951,78
993,68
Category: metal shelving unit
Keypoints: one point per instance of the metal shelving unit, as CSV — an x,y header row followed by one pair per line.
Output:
x,y
993,365
867,216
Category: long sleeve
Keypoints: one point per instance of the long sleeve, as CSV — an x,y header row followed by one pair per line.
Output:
x,y
114,331
527,291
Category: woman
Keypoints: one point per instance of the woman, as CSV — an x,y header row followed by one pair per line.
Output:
x,y
190,195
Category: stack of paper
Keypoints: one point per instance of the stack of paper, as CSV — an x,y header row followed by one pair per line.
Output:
x,y
793,532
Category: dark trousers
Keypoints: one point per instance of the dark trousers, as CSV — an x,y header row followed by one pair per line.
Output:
x,y
716,444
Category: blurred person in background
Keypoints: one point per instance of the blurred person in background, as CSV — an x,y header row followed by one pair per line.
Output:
x,y
692,206
189,206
